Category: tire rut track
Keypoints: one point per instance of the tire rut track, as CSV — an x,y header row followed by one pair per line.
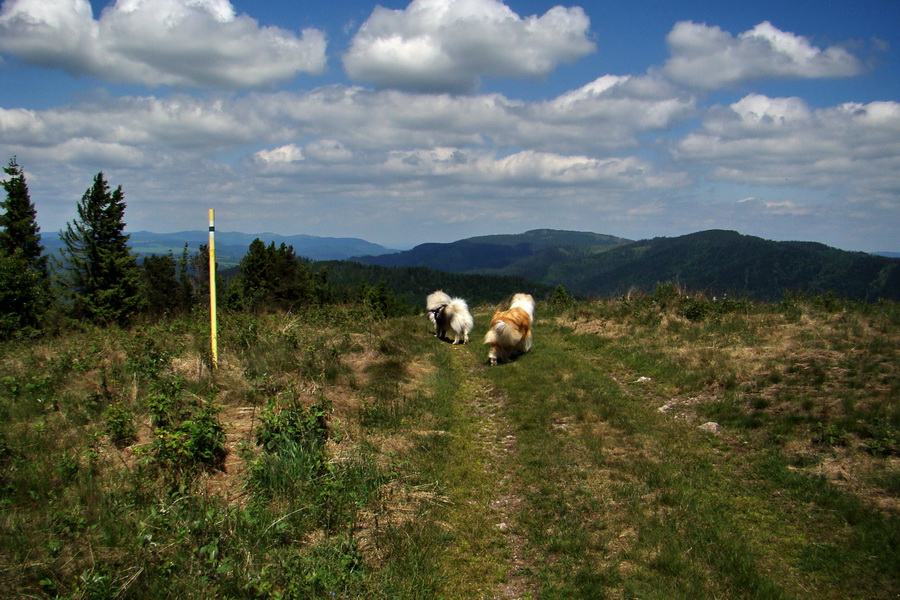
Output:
x,y
497,440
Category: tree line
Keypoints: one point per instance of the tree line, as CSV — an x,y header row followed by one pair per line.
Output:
x,y
98,278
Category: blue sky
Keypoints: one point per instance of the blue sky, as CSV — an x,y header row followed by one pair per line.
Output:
x,y
436,120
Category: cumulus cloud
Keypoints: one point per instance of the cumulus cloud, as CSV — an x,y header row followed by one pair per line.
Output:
x,y
338,133
783,141
705,57
184,43
528,168
442,166
614,110
178,122
448,45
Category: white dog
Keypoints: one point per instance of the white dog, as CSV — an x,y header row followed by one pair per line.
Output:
x,y
447,313
510,331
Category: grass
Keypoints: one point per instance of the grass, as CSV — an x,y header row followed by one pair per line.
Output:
x,y
334,456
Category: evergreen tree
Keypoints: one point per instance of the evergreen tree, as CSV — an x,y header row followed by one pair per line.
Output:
x,y
167,285
271,278
254,277
24,290
18,225
196,272
104,280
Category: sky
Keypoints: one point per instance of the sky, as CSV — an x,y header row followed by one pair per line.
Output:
x,y
437,120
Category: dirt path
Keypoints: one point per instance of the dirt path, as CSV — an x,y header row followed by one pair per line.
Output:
x,y
496,438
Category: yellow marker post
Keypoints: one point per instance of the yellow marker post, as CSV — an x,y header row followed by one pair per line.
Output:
x,y
214,341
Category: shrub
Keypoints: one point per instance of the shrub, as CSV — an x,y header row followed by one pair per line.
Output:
x,y
120,425
695,308
829,435
561,297
295,425
197,441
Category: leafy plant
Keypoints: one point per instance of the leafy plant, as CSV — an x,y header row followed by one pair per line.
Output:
x,y
695,308
830,434
198,440
149,360
120,425
307,427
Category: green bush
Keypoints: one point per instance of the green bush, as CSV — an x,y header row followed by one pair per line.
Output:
x,y
120,425
295,425
830,435
198,440
695,308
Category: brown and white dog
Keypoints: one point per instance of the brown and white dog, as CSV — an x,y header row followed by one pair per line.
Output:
x,y
510,331
452,314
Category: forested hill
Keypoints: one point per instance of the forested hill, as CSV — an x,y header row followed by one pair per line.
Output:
x,y
715,262
411,284
491,253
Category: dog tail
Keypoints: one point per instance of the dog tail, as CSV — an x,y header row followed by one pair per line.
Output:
x,y
502,334
460,317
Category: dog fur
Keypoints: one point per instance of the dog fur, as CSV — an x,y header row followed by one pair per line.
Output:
x,y
449,314
510,330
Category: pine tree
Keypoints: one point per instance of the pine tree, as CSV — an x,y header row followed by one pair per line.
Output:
x,y
270,278
168,285
103,275
24,290
18,225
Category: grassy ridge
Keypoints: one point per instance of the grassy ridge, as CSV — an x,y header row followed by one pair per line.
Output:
x,y
332,456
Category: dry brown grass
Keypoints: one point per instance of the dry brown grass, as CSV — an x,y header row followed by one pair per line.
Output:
x,y
780,366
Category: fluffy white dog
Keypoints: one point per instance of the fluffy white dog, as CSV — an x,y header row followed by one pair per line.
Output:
x,y
452,314
510,331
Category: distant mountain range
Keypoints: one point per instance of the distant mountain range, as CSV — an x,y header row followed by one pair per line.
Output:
x,y
231,246
715,262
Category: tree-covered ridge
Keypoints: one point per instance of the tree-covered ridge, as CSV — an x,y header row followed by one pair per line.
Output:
x,y
716,262
542,239
726,262
412,284
494,253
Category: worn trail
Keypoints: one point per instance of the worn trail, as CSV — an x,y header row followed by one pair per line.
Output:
x,y
490,556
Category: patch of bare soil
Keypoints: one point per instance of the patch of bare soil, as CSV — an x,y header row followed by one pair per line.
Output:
x,y
228,483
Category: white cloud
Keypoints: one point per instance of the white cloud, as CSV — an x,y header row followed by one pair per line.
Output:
x,y
782,141
448,45
281,155
387,162
614,110
177,122
93,152
707,57
344,151
775,207
529,168
184,43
